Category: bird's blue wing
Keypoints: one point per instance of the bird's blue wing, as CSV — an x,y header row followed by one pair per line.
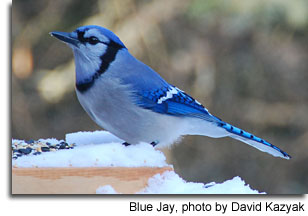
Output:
x,y
159,96
172,101
152,92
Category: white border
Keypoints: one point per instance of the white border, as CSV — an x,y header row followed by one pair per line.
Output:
x,y
88,205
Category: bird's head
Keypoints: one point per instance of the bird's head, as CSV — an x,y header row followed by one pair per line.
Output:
x,y
91,40
94,49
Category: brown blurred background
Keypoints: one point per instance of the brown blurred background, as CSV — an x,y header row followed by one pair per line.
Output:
x,y
246,61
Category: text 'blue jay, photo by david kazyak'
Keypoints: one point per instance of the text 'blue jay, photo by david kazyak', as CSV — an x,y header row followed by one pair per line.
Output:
x,y
133,102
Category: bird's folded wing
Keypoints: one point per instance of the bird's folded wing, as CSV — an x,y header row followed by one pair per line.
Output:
x,y
173,101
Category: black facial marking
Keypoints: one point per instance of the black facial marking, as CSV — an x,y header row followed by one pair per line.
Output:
x,y
81,37
94,40
107,58
91,40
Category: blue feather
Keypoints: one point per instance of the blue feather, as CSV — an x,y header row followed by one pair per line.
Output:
x,y
251,139
181,104
177,104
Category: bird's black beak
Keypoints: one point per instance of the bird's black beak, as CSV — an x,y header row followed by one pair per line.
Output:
x,y
65,37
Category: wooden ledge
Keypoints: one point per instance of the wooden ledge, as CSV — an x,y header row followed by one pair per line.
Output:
x,y
84,180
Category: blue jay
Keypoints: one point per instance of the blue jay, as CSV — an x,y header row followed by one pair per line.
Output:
x,y
132,101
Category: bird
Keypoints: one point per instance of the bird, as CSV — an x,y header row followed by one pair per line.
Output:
x,y
130,100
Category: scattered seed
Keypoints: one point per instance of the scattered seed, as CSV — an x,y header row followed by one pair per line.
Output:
x,y
30,141
45,149
25,151
62,146
32,147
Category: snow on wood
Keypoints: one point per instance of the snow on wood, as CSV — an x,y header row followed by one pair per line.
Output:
x,y
97,162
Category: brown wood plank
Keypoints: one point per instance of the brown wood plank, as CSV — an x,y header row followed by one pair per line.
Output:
x,y
85,180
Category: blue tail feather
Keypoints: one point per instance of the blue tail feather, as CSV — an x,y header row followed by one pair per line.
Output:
x,y
253,140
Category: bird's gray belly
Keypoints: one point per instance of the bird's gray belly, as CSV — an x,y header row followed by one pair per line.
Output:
x,y
110,106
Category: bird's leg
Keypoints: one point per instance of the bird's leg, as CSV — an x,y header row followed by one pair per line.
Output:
x,y
154,143
126,144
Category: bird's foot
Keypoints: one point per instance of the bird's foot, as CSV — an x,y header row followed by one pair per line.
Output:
x,y
154,143
126,144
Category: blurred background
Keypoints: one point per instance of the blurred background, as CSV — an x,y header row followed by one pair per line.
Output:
x,y
246,61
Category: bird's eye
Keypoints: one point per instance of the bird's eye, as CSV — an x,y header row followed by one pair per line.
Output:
x,y
93,40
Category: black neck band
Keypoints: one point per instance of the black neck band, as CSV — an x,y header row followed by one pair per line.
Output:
x,y
107,58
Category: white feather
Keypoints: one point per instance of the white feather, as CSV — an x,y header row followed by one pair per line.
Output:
x,y
169,95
